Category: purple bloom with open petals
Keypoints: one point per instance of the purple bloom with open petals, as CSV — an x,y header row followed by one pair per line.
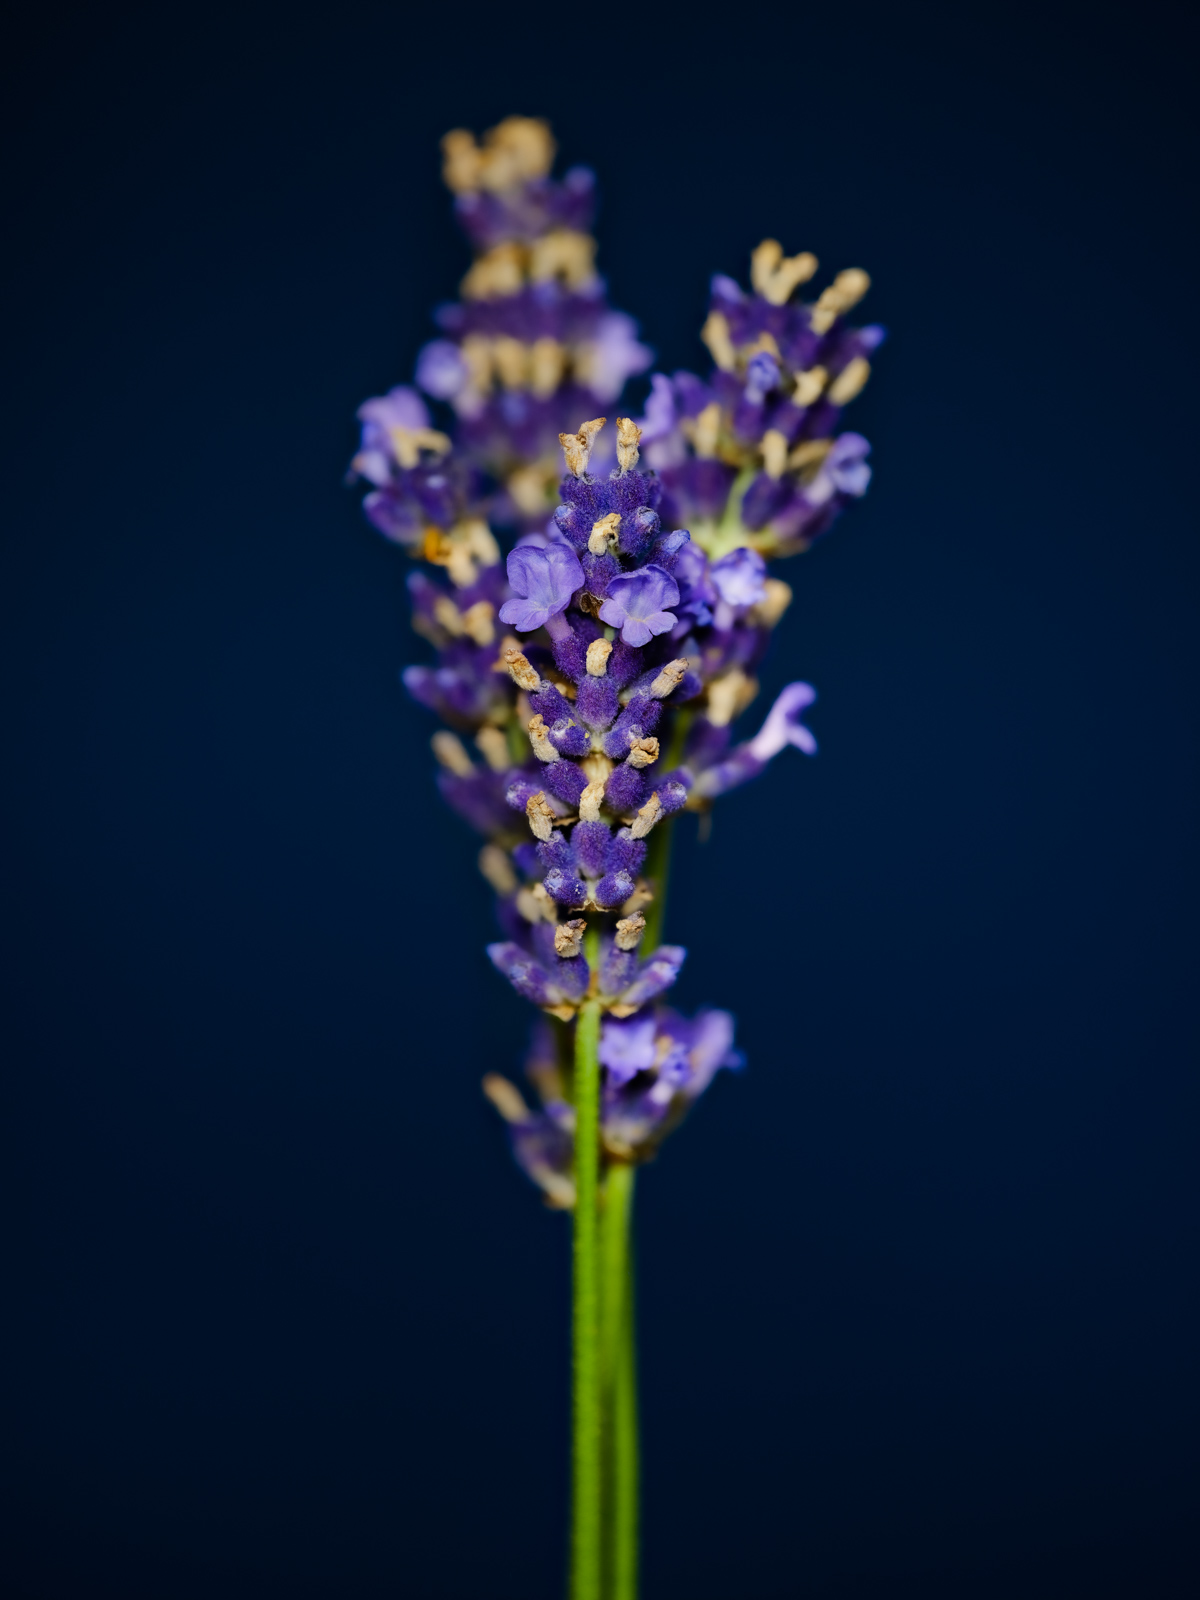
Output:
x,y
441,370
740,577
627,1048
544,581
401,407
783,726
844,470
638,602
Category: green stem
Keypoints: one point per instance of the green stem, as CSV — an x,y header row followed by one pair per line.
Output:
x,y
621,1376
658,865
586,1481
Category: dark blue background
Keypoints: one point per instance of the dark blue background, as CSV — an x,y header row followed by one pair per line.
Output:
x,y
918,1293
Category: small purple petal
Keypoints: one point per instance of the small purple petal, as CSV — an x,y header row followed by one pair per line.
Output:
x,y
627,1048
637,603
441,370
783,727
740,577
544,581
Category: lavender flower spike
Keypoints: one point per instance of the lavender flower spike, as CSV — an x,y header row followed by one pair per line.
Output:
x,y
544,581
640,585
638,602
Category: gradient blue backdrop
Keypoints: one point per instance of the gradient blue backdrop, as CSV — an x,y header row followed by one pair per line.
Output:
x,y
918,1292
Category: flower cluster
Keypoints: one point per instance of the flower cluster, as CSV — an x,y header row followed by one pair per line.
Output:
x,y
533,342
655,1065
591,681
751,456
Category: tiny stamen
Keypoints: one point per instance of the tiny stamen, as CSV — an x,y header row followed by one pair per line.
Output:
x,y
729,694
539,738
707,431
629,931
447,615
541,817
589,802
715,334
598,653
568,938
596,767
493,746
522,674
497,869
774,447
577,447
809,453
846,290
646,817
773,604
850,381
506,1098
628,437
775,275
450,751
809,386
603,536
478,623
643,895
642,752
669,678
535,905
409,442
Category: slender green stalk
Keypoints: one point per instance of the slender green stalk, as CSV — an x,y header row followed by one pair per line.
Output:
x,y
586,1463
658,864
621,1372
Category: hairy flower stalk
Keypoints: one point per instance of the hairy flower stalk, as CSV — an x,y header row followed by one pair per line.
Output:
x,y
590,681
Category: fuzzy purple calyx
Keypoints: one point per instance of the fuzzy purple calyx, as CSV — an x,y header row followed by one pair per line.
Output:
x,y
638,603
544,581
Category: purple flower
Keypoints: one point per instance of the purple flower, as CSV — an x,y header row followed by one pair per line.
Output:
x,y
783,726
401,407
740,577
843,471
627,1048
660,410
611,356
441,370
762,375
637,603
708,1038
544,581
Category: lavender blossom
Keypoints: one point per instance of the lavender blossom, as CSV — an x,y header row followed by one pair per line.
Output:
x,y
533,344
644,603
642,606
543,581
657,1065
637,603
750,456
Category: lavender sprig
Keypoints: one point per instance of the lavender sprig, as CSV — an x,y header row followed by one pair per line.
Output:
x,y
590,682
